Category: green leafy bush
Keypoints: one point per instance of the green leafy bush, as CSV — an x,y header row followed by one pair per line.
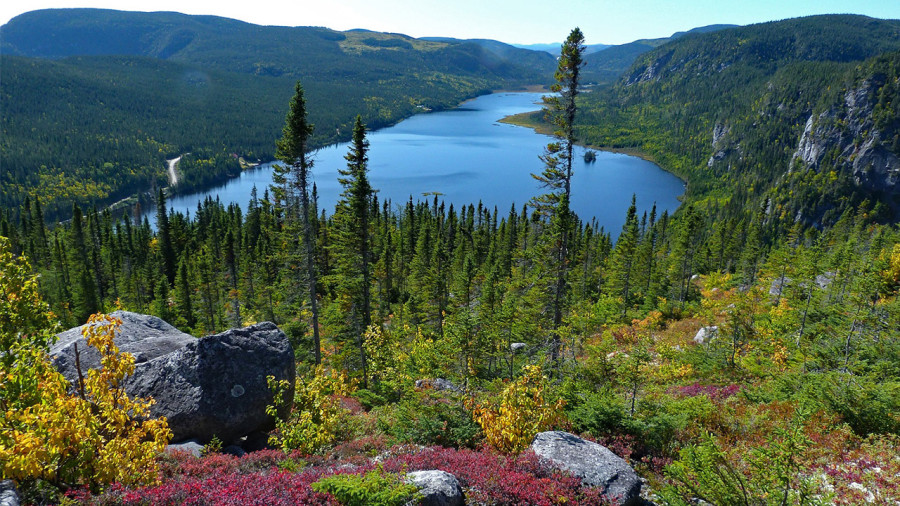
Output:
x,y
375,488
429,419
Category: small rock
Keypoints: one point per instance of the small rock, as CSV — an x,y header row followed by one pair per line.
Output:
x,y
8,494
255,441
824,280
438,488
706,334
778,285
438,384
514,347
193,447
593,463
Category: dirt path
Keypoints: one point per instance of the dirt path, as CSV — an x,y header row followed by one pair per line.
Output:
x,y
173,176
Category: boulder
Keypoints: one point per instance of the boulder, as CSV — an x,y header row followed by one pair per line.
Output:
x,y
438,384
438,488
193,447
213,386
706,334
145,337
593,463
8,494
514,347
778,285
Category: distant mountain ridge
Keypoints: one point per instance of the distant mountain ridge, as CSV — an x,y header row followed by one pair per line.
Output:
x,y
609,64
94,100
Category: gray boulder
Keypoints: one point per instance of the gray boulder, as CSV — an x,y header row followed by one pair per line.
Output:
x,y
193,447
778,285
213,386
706,334
8,494
145,337
438,384
594,464
514,347
438,488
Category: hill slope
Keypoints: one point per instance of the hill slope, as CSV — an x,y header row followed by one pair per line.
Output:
x,y
92,110
728,111
609,64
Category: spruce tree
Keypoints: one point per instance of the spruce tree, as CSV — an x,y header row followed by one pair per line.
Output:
x,y
352,242
557,174
165,238
291,149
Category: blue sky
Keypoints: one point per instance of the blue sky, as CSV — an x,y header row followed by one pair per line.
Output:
x,y
520,21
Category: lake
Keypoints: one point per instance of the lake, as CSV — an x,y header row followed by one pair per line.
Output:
x,y
465,155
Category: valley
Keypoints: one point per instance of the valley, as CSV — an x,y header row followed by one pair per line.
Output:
x,y
420,289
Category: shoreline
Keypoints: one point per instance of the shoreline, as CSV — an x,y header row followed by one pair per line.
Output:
x,y
524,120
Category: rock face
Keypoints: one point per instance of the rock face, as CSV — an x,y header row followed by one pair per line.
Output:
x,y
8,494
438,488
850,131
706,334
145,337
213,386
438,384
594,464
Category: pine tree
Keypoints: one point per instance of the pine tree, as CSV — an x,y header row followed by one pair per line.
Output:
x,y
165,238
291,149
351,242
557,174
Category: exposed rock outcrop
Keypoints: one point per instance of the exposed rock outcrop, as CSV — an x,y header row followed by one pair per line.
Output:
x,y
438,384
438,488
849,134
143,336
596,465
706,334
213,386
8,494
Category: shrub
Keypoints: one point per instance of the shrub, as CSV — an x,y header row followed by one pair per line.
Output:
x,y
771,472
317,419
521,411
489,478
374,488
97,436
429,419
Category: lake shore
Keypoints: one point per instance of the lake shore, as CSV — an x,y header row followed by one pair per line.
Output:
x,y
526,119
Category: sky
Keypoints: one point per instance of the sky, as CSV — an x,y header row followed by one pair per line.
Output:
x,y
511,21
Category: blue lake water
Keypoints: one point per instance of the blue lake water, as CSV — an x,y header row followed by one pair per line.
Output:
x,y
467,156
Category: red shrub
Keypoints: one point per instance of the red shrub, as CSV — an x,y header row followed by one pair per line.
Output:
x,y
489,478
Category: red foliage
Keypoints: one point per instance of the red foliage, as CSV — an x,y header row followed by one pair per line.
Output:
x,y
714,392
261,478
490,478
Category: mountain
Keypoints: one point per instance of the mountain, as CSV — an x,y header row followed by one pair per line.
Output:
x,y
796,117
95,100
554,47
608,65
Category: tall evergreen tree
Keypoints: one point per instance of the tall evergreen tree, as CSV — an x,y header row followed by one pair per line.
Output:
x,y
291,149
557,173
352,240
165,238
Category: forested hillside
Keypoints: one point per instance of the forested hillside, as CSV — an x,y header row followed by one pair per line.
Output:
x,y
779,112
113,94
608,65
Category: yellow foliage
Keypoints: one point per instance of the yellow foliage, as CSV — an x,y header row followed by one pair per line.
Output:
x,y
891,275
519,413
94,437
317,417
